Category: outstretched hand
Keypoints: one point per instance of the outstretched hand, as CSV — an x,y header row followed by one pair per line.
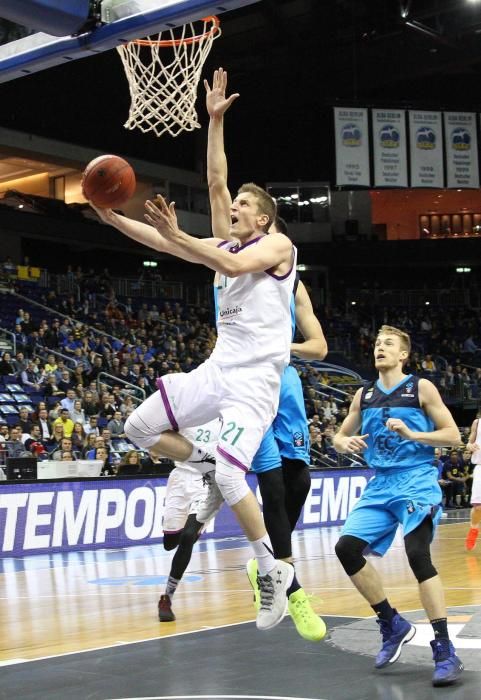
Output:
x,y
216,101
162,216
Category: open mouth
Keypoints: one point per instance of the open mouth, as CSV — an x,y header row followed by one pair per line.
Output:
x,y
233,219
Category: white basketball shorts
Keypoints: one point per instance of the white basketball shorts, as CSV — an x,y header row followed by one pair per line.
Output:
x,y
245,398
184,493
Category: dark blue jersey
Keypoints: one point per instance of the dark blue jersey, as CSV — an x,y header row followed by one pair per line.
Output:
x,y
386,449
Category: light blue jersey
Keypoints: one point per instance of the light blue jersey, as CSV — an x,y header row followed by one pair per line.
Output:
x,y
386,449
405,489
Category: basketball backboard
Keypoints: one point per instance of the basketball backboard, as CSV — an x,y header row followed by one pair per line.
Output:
x,y
120,21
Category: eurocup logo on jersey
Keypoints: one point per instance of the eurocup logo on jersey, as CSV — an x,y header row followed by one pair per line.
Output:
x,y
351,135
409,390
298,439
425,138
369,394
460,139
389,136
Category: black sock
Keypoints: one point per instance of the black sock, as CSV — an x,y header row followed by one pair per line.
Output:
x,y
383,610
440,627
295,585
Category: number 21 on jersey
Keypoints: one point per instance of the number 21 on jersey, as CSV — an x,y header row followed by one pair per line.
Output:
x,y
232,432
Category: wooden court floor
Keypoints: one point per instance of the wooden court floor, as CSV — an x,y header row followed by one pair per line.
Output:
x,y
69,603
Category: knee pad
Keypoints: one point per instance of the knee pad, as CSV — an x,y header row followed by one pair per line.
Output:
x,y
272,488
349,551
296,476
171,540
420,562
418,551
231,482
190,533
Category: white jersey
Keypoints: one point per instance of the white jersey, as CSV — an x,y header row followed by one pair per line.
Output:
x,y
253,315
476,486
205,436
476,456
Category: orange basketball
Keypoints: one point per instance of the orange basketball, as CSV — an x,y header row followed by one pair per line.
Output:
x,y
108,182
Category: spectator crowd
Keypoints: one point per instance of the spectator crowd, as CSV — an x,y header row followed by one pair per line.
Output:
x,y
87,359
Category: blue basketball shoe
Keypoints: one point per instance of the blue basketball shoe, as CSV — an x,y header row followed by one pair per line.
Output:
x,y
447,666
394,634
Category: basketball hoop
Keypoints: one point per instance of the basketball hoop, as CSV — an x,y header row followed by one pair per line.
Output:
x,y
163,75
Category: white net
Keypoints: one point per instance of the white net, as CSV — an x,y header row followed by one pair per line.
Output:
x,y
163,74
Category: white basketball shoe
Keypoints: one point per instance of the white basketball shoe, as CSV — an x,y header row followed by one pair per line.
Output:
x,y
273,589
212,503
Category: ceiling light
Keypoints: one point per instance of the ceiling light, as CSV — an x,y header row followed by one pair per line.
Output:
x,y
405,9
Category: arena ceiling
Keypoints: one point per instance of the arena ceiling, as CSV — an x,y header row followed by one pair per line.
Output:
x,y
291,60
360,49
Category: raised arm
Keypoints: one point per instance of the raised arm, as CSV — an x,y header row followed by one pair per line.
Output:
x,y
272,252
314,346
146,234
346,440
137,230
220,199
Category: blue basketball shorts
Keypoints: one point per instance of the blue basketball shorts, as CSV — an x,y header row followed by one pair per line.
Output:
x,y
395,497
288,436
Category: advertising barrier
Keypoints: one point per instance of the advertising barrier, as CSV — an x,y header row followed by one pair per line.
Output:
x,y
64,516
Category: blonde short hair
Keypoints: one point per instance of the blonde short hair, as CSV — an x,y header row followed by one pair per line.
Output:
x,y
265,203
405,339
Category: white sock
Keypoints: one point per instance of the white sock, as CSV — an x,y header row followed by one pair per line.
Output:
x,y
171,587
201,459
264,555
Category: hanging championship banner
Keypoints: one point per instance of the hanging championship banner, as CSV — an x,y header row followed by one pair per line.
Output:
x,y
352,147
389,145
461,149
426,137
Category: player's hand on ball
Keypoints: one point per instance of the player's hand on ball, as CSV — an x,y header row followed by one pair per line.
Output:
x,y
398,426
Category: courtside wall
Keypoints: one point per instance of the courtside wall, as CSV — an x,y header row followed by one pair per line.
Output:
x,y
64,516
